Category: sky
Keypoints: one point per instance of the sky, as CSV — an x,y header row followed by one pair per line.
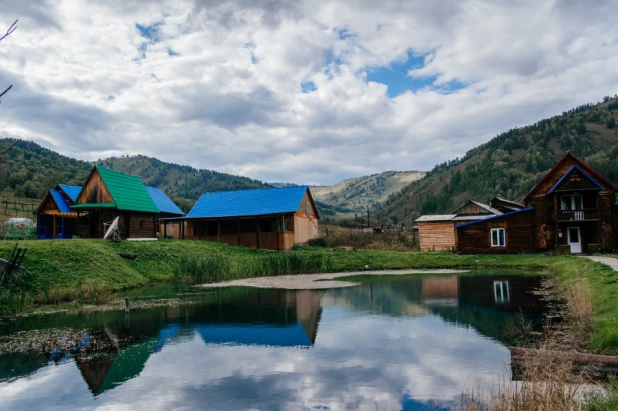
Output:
x,y
307,92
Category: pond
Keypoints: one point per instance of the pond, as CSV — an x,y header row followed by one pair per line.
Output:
x,y
393,342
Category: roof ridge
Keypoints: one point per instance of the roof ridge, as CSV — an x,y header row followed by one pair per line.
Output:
x,y
255,189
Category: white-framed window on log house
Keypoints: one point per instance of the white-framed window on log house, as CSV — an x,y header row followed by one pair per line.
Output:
x,y
498,239
571,202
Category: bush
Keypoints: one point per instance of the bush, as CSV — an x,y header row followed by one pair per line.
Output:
x,y
317,242
611,123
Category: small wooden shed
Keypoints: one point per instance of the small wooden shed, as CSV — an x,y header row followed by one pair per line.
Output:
x,y
108,194
55,219
269,218
168,222
437,232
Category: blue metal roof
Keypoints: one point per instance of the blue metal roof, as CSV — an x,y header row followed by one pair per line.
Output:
x,y
292,335
569,172
71,191
163,202
61,202
494,217
256,202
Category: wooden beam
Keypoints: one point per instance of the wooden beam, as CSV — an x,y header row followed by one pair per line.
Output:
x,y
54,228
218,229
238,229
257,232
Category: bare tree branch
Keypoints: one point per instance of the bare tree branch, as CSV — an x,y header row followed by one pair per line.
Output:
x,y
6,150
4,92
10,30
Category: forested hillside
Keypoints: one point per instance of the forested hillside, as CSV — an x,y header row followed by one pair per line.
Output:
x,y
510,164
177,180
28,170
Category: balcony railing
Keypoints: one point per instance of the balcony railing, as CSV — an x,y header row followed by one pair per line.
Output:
x,y
577,215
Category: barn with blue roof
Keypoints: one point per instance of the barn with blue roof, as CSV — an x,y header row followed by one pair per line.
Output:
x,y
268,218
55,219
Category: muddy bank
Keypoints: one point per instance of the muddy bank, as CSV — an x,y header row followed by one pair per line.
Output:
x,y
318,281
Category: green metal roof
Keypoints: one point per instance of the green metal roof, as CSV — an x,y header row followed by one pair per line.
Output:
x,y
94,205
127,191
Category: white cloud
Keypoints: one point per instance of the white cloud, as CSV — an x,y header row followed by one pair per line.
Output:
x,y
219,86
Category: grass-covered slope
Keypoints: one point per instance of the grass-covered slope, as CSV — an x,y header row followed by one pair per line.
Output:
x,y
354,195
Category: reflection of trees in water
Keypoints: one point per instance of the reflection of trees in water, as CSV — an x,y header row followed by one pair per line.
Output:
x,y
116,347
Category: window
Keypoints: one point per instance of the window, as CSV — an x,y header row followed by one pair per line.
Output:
x,y
571,202
286,225
501,292
497,237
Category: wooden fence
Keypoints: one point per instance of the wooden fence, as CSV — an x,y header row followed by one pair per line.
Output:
x,y
17,207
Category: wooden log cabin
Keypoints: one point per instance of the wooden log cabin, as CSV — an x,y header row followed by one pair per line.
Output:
x,y
570,210
108,194
437,232
269,218
55,219
168,223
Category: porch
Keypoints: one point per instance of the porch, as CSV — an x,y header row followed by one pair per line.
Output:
x,y
264,232
578,237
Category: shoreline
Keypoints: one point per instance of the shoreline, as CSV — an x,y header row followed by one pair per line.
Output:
x,y
319,281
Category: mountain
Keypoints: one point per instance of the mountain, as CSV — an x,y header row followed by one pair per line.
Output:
x,y
28,170
354,195
511,163
177,180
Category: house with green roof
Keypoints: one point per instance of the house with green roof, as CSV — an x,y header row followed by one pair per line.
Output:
x,y
108,194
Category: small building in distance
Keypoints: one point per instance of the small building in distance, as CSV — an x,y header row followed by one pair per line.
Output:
x,y
570,210
505,206
437,231
268,218
55,219
168,224
108,194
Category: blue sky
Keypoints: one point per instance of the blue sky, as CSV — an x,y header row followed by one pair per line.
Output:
x,y
290,91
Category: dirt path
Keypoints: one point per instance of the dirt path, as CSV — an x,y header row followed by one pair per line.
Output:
x,y
317,281
612,262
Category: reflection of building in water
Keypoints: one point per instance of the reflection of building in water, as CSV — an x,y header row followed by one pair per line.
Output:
x,y
440,290
117,348
501,292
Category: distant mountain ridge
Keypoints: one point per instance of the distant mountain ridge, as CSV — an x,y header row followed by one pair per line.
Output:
x,y
511,163
29,170
354,195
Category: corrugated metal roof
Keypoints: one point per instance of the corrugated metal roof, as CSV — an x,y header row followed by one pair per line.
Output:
x,y
61,202
248,202
163,202
495,216
71,191
435,217
128,192
450,217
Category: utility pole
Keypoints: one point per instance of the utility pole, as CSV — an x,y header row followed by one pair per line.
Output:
x,y
367,216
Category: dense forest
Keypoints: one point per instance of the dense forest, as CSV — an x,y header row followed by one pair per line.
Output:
x,y
510,164
28,170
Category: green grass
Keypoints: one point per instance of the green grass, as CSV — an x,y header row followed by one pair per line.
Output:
x,y
67,265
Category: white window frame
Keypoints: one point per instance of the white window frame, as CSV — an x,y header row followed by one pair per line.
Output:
x,y
498,230
501,292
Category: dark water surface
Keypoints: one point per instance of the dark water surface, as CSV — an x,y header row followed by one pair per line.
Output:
x,y
392,343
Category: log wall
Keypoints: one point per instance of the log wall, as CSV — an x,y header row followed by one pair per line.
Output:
x,y
518,229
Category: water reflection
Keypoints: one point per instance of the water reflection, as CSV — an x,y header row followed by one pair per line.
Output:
x,y
394,342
